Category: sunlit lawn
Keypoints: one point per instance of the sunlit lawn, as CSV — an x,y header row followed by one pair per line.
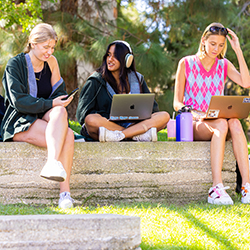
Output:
x,y
193,226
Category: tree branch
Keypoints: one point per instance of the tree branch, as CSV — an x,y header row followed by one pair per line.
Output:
x,y
242,10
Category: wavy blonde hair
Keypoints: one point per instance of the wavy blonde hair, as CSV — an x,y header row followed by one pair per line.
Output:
x,y
42,32
206,34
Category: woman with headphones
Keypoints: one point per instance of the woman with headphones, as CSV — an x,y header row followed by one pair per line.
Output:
x,y
117,75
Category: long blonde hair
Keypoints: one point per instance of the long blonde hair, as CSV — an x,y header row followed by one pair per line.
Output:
x,y
206,34
42,32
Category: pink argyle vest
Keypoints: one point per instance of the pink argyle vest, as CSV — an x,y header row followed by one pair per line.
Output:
x,y
200,84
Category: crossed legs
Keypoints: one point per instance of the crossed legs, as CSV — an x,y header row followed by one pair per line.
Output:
x,y
53,133
158,120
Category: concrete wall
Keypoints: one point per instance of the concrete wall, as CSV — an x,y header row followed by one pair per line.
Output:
x,y
106,173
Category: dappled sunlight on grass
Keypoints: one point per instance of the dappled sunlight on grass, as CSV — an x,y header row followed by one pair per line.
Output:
x,y
193,226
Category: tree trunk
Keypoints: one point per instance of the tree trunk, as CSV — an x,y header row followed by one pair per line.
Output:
x,y
70,78
70,75
69,6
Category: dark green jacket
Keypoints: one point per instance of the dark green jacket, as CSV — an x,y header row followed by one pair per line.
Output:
x,y
22,105
95,98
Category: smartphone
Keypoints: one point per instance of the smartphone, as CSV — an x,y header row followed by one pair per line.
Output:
x,y
71,94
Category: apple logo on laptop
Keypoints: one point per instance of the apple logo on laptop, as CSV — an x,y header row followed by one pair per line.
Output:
x,y
230,107
132,106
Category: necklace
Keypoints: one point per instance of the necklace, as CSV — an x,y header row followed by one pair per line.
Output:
x,y
39,78
40,75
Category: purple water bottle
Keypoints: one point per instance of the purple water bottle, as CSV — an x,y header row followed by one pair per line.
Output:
x,y
186,124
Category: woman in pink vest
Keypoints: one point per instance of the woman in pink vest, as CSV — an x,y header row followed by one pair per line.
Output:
x,y
199,77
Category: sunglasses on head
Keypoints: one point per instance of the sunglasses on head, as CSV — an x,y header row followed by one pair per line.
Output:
x,y
221,30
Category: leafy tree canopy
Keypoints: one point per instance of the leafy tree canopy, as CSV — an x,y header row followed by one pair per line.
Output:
x,y
159,34
23,13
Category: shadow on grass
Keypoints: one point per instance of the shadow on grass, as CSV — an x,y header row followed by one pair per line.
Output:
x,y
218,236
222,240
26,209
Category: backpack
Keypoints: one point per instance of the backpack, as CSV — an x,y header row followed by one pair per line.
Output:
x,y
2,111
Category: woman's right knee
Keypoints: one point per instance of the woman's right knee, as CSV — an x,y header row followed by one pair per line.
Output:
x,y
221,125
93,120
59,111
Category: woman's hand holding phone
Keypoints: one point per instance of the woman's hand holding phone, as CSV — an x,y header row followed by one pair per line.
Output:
x,y
71,94
64,100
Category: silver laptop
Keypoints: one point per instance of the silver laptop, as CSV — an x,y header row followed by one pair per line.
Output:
x,y
228,107
126,107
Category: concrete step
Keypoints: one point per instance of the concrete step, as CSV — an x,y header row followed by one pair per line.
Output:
x,y
104,173
88,232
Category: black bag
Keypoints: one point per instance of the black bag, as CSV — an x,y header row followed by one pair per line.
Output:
x,y
238,179
2,111
2,108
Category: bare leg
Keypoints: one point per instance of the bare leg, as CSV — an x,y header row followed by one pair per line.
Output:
x,y
94,121
240,148
52,132
158,120
216,131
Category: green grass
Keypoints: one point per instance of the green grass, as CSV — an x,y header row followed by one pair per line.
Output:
x,y
75,126
193,226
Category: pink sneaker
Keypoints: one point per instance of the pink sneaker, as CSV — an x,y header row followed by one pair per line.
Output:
x,y
218,195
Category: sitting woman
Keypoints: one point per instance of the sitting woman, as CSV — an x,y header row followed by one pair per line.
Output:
x,y
199,77
35,109
117,75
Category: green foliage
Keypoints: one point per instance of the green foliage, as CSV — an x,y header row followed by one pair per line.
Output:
x,y
24,14
159,35
165,101
12,42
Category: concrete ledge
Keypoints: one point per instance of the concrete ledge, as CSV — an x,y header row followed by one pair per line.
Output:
x,y
104,173
92,232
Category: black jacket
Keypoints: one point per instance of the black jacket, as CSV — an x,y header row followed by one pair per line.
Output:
x,y
95,98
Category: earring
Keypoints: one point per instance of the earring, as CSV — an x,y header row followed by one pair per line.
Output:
x,y
203,51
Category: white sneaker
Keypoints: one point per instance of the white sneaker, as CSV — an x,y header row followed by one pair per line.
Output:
x,y
245,192
150,135
218,195
53,170
65,200
109,135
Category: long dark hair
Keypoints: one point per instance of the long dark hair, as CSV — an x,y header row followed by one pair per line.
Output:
x,y
121,50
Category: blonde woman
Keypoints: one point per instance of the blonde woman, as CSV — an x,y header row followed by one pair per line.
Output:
x,y
198,78
35,109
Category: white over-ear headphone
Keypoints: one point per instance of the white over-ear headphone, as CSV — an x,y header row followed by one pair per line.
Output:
x,y
129,57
